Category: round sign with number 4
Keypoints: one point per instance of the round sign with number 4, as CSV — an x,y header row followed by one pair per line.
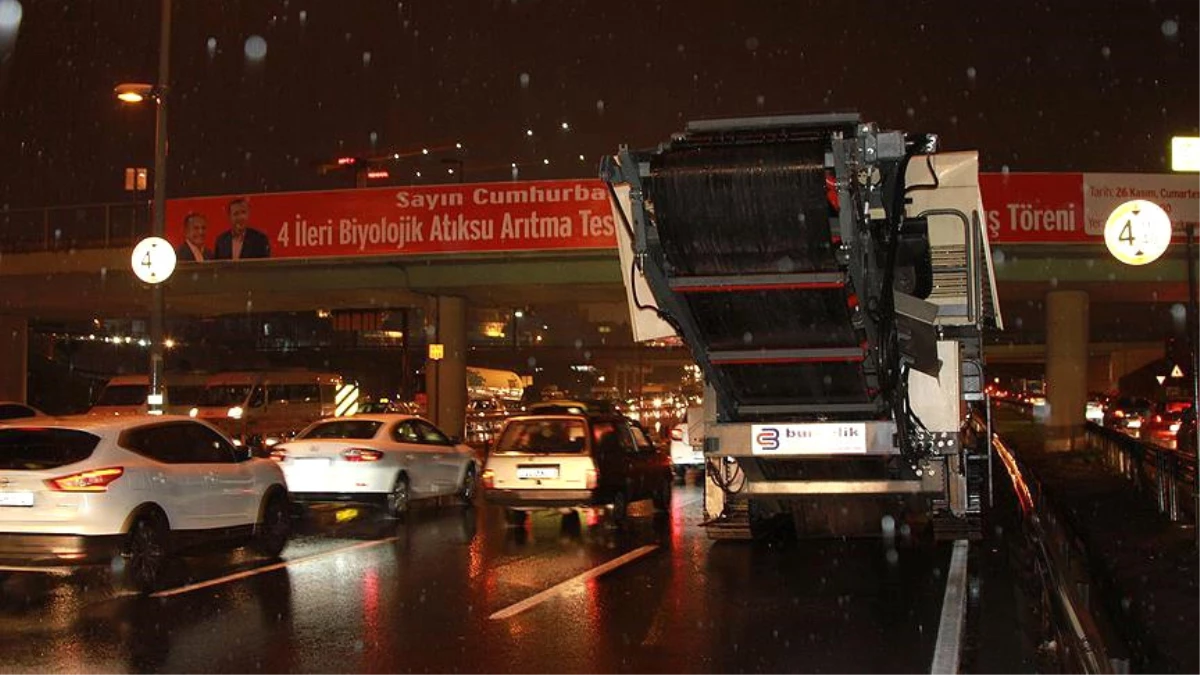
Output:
x,y
1137,232
153,260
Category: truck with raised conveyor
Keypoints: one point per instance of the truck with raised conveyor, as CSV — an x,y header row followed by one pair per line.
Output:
x,y
833,281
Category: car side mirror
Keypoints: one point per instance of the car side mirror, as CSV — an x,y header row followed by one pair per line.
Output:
x,y
455,440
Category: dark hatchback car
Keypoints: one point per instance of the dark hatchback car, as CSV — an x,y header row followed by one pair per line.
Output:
x,y
1128,413
568,456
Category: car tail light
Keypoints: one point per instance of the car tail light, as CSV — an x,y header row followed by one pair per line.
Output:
x,y
278,454
1118,413
362,455
488,478
97,480
593,479
676,434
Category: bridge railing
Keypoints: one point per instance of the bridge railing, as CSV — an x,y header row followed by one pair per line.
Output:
x,y
1169,476
82,226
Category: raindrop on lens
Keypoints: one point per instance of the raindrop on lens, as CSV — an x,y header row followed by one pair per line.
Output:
x,y
1178,314
524,79
212,47
10,15
747,337
532,362
752,43
1170,28
374,138
366,59
888,523
600,106
578,343
256,48
892,556
971,73
1105,51
999,257
303,17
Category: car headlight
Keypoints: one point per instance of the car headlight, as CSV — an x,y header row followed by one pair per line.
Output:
x,y
194,412
235,413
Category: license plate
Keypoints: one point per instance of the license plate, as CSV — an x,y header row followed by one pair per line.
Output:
x,y
311,463
537,472
16,499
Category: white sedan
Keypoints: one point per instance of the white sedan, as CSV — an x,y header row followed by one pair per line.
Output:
x,y
387,458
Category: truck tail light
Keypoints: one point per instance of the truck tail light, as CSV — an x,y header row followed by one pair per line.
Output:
x,y
488,479
593,479
96,480
676,434
362,455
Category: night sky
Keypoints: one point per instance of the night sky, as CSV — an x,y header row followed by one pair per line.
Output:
x,y
1080,85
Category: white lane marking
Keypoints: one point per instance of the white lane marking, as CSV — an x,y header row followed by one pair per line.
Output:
x,y
577,580
268,568
954,608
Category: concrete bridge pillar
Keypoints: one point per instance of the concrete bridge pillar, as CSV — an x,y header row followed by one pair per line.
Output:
x,y
1066,368
446,379
14,368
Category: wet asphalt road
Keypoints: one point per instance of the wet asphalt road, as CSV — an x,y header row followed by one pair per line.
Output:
x,y
366,594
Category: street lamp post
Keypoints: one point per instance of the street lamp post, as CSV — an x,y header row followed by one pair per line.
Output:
x,y
1185,158
135,93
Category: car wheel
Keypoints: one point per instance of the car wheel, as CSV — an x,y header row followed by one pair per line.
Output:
x,y
515,517
620,508
145,553
662,496
397,499
274,528
466,493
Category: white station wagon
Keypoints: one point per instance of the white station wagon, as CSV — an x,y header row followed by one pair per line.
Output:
x,y
128,491
390,459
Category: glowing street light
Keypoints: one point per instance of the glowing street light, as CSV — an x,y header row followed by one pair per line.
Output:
x,y
134,92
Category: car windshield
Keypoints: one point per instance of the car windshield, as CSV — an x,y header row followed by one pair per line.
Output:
x,y
124,394
225,395
548,435
190,394
344,428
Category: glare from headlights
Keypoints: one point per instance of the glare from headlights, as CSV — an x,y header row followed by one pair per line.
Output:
x,y
235,413
194,412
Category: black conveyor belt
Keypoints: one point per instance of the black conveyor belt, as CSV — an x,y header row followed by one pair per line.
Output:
x,y
725,212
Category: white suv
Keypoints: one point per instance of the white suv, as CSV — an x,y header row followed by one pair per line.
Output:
x,y
128,491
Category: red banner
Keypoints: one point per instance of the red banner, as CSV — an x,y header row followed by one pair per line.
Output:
x,y
476,217
1034,207
1021,208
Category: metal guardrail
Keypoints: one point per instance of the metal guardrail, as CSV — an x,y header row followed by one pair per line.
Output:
x,y
1167,473
1086,643
83,226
